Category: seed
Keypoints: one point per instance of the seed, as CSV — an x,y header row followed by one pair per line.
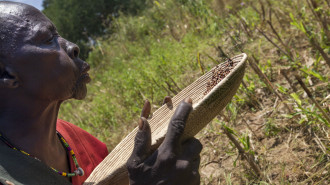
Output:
x,y
219,73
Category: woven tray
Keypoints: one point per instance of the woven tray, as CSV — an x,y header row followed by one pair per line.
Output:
x,y
207,104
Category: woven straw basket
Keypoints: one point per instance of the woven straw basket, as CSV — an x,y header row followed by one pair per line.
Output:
x,y
112,170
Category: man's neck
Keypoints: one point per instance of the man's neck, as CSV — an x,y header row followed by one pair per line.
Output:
x,y
31,126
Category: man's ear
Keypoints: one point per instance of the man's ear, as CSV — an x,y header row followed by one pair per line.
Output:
x,y
8,78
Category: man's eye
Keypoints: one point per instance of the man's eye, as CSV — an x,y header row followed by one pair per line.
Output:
x,y
51,40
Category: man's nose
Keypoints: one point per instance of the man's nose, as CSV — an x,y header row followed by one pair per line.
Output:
x,y
72,50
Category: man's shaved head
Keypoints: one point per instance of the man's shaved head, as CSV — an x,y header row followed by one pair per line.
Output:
x,y
8,18
14,21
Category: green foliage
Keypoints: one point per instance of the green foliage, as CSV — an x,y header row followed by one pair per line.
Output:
x,y
308,113
282,89
142,59
77,20
270,128
81,21
245,140
157,52
314,73
296,98
228,179
232,110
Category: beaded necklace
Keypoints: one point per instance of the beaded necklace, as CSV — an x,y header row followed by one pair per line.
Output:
x,y
79,171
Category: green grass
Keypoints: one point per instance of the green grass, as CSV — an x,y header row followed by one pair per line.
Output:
x,y
162,49
142,59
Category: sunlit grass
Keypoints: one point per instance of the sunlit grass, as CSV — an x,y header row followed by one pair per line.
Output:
x,y
166,47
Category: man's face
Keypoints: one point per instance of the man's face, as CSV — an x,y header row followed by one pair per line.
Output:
x,y
46,64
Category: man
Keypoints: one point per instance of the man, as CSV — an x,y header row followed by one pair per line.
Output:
x,y
38,71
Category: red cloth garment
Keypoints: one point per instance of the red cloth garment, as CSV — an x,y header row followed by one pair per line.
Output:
x,y
89,150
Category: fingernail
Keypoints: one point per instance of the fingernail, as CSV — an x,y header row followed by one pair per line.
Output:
x,y
146,104
9,183
168,101
146,101
146,109
141,123
188,100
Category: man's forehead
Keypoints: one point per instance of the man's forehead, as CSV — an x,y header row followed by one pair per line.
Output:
x,y
15,9
20,23
21,11
24,18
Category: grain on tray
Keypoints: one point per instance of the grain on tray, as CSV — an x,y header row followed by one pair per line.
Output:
x,y
219,73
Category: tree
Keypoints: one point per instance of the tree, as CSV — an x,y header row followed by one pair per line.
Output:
x,y
82,20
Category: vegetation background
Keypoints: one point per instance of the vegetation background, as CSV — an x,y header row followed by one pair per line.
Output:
x,y
276,128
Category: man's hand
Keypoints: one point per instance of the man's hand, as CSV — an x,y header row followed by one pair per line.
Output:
x,y
174,162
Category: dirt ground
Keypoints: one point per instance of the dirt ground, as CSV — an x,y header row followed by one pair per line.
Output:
x,y
285,151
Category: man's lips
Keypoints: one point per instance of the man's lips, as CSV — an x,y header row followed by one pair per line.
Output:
x,y
85,78
84,73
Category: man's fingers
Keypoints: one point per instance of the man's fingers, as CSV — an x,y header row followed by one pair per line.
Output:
x,y
168,102
177,124
146,109
142,144
191,149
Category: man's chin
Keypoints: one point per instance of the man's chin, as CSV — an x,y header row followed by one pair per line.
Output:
x,y
80,92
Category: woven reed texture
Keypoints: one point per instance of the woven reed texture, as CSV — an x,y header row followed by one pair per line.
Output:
x,y
112,170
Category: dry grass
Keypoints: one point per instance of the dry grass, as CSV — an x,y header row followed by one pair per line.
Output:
x,y
270,114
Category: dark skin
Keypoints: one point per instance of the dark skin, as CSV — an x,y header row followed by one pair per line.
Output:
x,y
39,70
174,161
37,76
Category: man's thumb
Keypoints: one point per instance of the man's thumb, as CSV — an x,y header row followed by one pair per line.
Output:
x,y
142,144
